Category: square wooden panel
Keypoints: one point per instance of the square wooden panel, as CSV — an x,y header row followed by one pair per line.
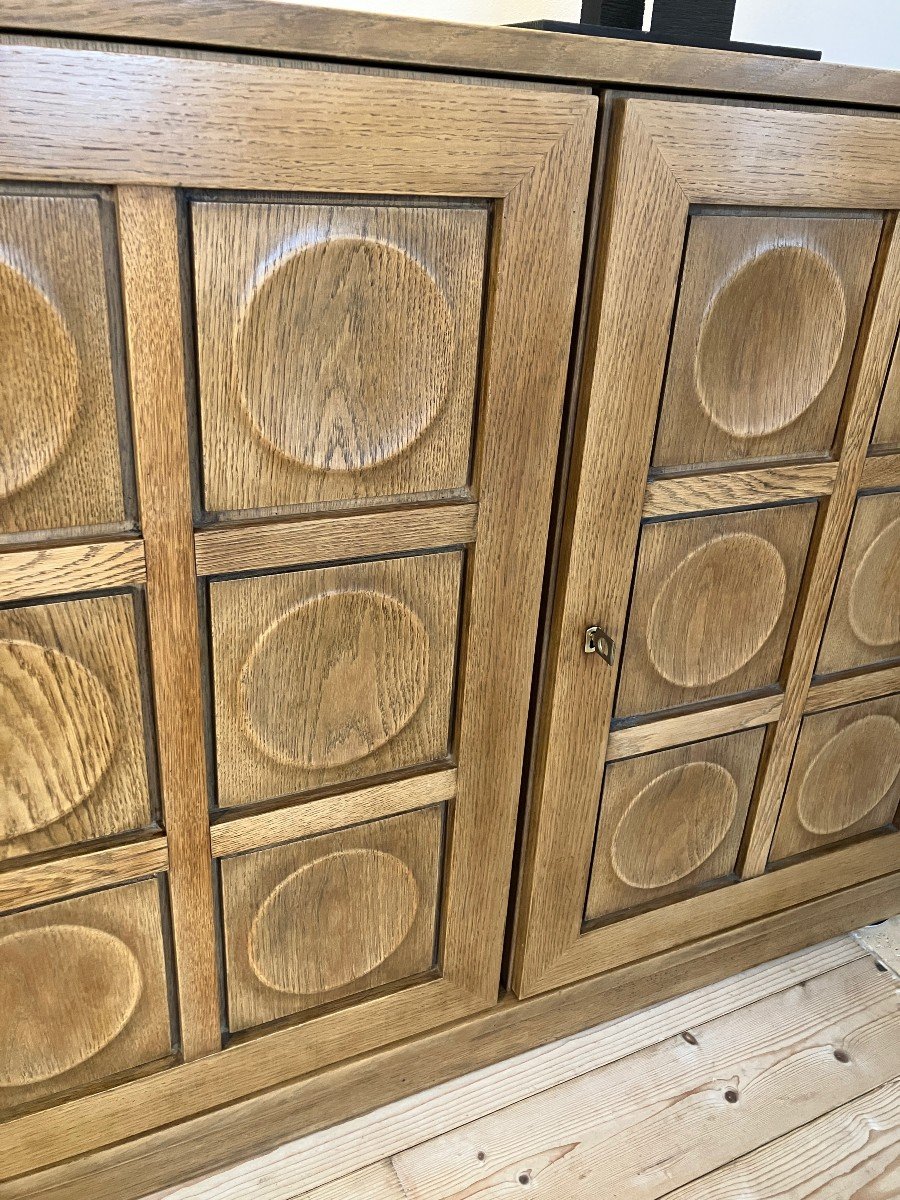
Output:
x,y
671,821
83,992
327,917
712,605
766,322
73,764
864,622
845,778
60,464
887,425
338,350
325,676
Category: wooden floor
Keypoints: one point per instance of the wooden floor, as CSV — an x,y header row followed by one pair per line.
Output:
x,y
781,1082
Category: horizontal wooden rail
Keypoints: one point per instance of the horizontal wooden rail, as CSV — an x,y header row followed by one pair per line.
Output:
x,y
716,490
40,882
61,570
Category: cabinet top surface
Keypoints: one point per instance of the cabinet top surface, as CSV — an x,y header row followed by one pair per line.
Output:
x,y
272,26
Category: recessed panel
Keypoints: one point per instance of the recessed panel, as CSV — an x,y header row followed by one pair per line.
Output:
x,y
328,917
845,778
864,622
338,350
671,821
712,605
60,464
765,327
887,426
329,675
73,764
83,992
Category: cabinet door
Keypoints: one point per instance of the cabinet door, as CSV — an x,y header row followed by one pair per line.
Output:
x,y
348,305
718,735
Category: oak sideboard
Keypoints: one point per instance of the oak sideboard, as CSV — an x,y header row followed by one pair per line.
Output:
x,y
449,554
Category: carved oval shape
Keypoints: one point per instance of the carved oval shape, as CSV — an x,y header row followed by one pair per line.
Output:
x,y
66,992
344,353
770,340
717,609
39,384
674,824
335,678
874,604
850,775
57,735
333,921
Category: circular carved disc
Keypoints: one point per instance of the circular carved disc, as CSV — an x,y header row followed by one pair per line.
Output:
x,y
716,610
57,735
333,921
344,353
39,388
850,775
770,340
874,605
335,678
66,991
674,824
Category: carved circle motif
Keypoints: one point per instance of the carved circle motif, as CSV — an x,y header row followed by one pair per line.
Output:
x,y
716,609
344,353
770,340
39,384
57,735
333,921
850,775
674,824
66,991
335,678
874,604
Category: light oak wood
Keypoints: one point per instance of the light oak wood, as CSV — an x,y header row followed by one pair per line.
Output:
x,y
671,821
377,38
149,255
845,778
56,879
74,760
881,471
300,403
325,918
326,676
378,1182
767,317
864,622
59,441
672,496
680,728
235,835
319,539
84,992
887,426
865,685
58,570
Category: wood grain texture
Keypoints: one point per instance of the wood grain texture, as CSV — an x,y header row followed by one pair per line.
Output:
x,y
318,539
73,760
58,570
377,38
711,607
845,689
149,255
300,401
887,426
59,443
56,879
864,622
845,778
853,1149
84,992
325,676
745,1078
680,728
881,471
378,1182
768,312
671,496
328,917
671,821
237,834
231,1133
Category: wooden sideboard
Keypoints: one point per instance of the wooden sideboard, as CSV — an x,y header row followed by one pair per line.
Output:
x,y
449,555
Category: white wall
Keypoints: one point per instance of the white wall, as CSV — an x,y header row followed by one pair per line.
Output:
x,y
851,31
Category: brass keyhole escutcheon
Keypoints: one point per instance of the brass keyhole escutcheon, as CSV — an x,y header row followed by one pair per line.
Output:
x,y
597,641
